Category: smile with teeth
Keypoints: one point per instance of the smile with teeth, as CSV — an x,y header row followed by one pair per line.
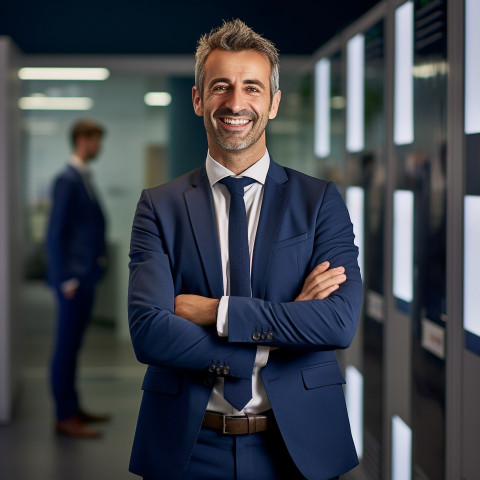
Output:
x,y
235,121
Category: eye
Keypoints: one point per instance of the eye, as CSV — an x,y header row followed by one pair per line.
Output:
x,y
253,89
220,88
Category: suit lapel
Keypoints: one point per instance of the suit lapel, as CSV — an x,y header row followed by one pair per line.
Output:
x,y
275,199
202,218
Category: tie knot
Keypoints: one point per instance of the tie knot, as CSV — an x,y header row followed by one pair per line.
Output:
x,y
236,185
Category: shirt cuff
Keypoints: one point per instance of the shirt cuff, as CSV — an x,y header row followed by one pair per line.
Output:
x,y
222,317
261,357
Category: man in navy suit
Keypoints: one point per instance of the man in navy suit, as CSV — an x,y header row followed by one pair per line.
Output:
x,y
76,260
242,385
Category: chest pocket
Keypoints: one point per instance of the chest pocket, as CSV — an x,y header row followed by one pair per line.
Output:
x,y
290,241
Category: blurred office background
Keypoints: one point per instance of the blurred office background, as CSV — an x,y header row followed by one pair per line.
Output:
x,y
381,97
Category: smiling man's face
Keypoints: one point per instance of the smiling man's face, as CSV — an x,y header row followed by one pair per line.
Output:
x,y
236,103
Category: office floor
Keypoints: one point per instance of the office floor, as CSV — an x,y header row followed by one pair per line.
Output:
x,y
109,381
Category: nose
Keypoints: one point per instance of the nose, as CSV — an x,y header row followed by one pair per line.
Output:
x,y
234,100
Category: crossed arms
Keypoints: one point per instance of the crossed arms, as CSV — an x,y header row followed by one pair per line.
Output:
x,y
321,282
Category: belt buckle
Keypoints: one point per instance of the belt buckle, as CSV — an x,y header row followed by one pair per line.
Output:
x,y
224,426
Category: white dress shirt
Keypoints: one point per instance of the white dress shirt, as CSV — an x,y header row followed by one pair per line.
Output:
x,y
253,198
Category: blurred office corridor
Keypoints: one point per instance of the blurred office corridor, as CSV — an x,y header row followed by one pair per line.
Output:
x,y
110,380
388,109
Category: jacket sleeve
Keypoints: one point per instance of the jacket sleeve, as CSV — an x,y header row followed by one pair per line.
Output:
x,y
309,325
57,234
159,337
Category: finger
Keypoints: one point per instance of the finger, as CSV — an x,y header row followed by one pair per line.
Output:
x,y
320,268
327,292
327,285
325,278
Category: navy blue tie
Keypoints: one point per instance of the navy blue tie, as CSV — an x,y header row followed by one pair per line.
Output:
x,y
237,391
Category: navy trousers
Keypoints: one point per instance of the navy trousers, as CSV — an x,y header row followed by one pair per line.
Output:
x,y
260,456
73,318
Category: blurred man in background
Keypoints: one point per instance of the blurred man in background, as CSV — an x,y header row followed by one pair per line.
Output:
x,y
76,261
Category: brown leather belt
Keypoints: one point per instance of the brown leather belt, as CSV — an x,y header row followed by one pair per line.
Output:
x,y
238,425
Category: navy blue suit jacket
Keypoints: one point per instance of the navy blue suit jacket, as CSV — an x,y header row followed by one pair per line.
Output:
x,y
76,232
175,250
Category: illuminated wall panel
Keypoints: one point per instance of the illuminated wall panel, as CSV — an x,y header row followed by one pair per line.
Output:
x,y
355,200
403,217
403,94
322,108
354,399
472,66
355,93
401,450
471,295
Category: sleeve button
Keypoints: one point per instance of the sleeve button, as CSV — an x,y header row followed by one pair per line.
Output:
x,y
256,336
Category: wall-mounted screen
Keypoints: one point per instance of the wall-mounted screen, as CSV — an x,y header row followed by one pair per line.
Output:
x,y
472,66
403,202
401,450
354,400
471,265
355,200
356,93
322,108
403,87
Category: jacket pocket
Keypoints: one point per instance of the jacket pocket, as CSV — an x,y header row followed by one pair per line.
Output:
x,y
161,381
290,241
322,375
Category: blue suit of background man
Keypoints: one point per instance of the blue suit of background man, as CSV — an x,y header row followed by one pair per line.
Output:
x,y
175,250
76,250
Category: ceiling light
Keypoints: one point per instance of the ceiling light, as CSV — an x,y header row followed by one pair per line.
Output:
x,y
49,73
55,103
157,99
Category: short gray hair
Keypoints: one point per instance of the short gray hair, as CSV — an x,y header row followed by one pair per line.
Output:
x,y
235,36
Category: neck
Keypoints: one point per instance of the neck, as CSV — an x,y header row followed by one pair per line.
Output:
x,y
237,161
81,156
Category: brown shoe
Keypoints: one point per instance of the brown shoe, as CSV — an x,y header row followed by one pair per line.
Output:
x,y
74,427
87,417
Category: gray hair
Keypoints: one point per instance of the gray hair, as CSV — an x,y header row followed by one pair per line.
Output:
x,y
235,36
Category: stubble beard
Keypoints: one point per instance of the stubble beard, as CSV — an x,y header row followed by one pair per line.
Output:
x,y
229,141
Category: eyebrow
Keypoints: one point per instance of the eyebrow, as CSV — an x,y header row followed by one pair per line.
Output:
x,y
245,82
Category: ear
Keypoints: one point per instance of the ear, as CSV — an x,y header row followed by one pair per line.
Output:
x,y
275,103
197,102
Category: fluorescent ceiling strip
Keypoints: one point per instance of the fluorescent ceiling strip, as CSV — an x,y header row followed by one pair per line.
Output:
x,y
53,73
157,99
322,108
355,93
55,103
403,88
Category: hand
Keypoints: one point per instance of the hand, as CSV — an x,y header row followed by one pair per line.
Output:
x,y
69,288
321,282
69,293
197,309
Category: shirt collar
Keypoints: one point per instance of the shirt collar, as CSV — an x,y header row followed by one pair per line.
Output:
x,y
80,166
258,171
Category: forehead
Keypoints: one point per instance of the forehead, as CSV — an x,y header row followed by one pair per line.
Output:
x,y
247,63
